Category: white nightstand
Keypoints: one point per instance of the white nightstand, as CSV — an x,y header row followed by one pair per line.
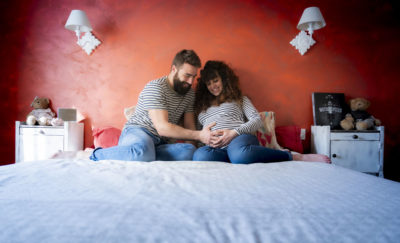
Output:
x,y
358,150
41,142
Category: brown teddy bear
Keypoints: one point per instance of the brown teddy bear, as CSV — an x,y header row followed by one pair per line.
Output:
x,y
358,117
42,114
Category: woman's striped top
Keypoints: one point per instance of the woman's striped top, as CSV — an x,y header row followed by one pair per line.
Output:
x,y
231,115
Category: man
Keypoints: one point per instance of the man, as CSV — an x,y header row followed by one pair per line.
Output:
x,y
161,105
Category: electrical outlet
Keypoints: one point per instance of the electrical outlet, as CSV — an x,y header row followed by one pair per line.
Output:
x,y
303,134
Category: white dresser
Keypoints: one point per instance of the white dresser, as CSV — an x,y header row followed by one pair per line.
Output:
x,y
42,142
357,150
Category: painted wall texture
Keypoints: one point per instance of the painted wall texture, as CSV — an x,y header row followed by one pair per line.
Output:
x,y
356,53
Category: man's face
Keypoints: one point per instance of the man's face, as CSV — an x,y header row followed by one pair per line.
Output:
x,y
183,78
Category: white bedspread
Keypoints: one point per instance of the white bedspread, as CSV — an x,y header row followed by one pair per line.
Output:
x,y
116,201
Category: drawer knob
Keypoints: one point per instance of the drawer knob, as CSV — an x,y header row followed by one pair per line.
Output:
x,y
355,136
41,132
334,155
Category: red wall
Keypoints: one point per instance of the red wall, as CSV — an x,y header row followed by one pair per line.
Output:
x,y
355,53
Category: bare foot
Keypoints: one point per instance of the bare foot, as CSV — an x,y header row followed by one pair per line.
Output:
x,y
312,158
84,154
63,155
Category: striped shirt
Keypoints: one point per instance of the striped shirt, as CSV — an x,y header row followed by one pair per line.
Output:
x,y
231,115
158,95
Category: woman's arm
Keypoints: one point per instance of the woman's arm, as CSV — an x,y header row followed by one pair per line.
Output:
x,y
254,119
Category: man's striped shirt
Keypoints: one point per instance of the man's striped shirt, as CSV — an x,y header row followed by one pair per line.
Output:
x,y
158,95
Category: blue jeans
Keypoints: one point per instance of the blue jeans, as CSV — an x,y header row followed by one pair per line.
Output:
x,y
138,144
244,149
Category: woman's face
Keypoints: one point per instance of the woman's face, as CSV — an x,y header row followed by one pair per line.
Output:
x,y
215,86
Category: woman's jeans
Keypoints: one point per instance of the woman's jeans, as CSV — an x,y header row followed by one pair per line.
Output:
x,y
138,144
244,149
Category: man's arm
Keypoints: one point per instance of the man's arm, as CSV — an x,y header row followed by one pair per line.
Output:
x,y
189,123
167,129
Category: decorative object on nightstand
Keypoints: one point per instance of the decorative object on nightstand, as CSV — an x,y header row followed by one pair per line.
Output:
x,y
41,113
357,150
42,142
328,109
310,20
358,117
67,114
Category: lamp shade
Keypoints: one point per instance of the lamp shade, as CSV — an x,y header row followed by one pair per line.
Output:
x,y
78,20
313,16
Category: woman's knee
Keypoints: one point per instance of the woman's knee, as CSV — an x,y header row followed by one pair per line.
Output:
x,y
241,141
241,149
238,156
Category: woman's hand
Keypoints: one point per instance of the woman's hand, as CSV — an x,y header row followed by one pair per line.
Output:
x,y
221,138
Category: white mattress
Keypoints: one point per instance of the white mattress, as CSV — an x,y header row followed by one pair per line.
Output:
x,y
116,201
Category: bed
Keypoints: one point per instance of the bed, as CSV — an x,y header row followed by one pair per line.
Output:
x,y
78,200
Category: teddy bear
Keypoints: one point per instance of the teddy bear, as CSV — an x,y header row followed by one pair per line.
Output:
x,y
42,114
358,117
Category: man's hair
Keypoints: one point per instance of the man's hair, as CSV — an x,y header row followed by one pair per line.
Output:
x,y
230,86
186,56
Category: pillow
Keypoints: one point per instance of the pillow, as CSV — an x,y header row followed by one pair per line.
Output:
x,y
129,111
266,134
106,137
289,137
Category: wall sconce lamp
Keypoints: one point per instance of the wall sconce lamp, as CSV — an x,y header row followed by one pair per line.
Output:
x,y
78,22
310,20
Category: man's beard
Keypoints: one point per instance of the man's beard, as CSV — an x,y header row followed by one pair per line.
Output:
x,y
181,87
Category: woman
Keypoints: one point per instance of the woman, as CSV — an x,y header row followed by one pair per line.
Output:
x,y
219,99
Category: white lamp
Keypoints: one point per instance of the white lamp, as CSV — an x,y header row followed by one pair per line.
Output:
x,y
79,22
310,20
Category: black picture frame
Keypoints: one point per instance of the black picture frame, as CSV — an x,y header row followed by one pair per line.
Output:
x,y
328,109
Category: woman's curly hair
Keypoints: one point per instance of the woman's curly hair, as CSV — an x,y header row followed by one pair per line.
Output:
x,y
230,86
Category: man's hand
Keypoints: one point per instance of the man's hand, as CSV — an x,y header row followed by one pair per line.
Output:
x,y
223,137
205,134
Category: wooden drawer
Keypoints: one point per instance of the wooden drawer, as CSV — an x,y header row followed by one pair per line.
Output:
x,y
368,136
46,131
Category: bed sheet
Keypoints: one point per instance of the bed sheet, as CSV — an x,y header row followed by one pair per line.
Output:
x,y
75,200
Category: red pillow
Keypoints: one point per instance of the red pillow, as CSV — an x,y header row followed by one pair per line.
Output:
x,y
289,137
106,136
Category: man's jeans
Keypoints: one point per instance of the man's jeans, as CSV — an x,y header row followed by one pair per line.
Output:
x,y
138,144
244,149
